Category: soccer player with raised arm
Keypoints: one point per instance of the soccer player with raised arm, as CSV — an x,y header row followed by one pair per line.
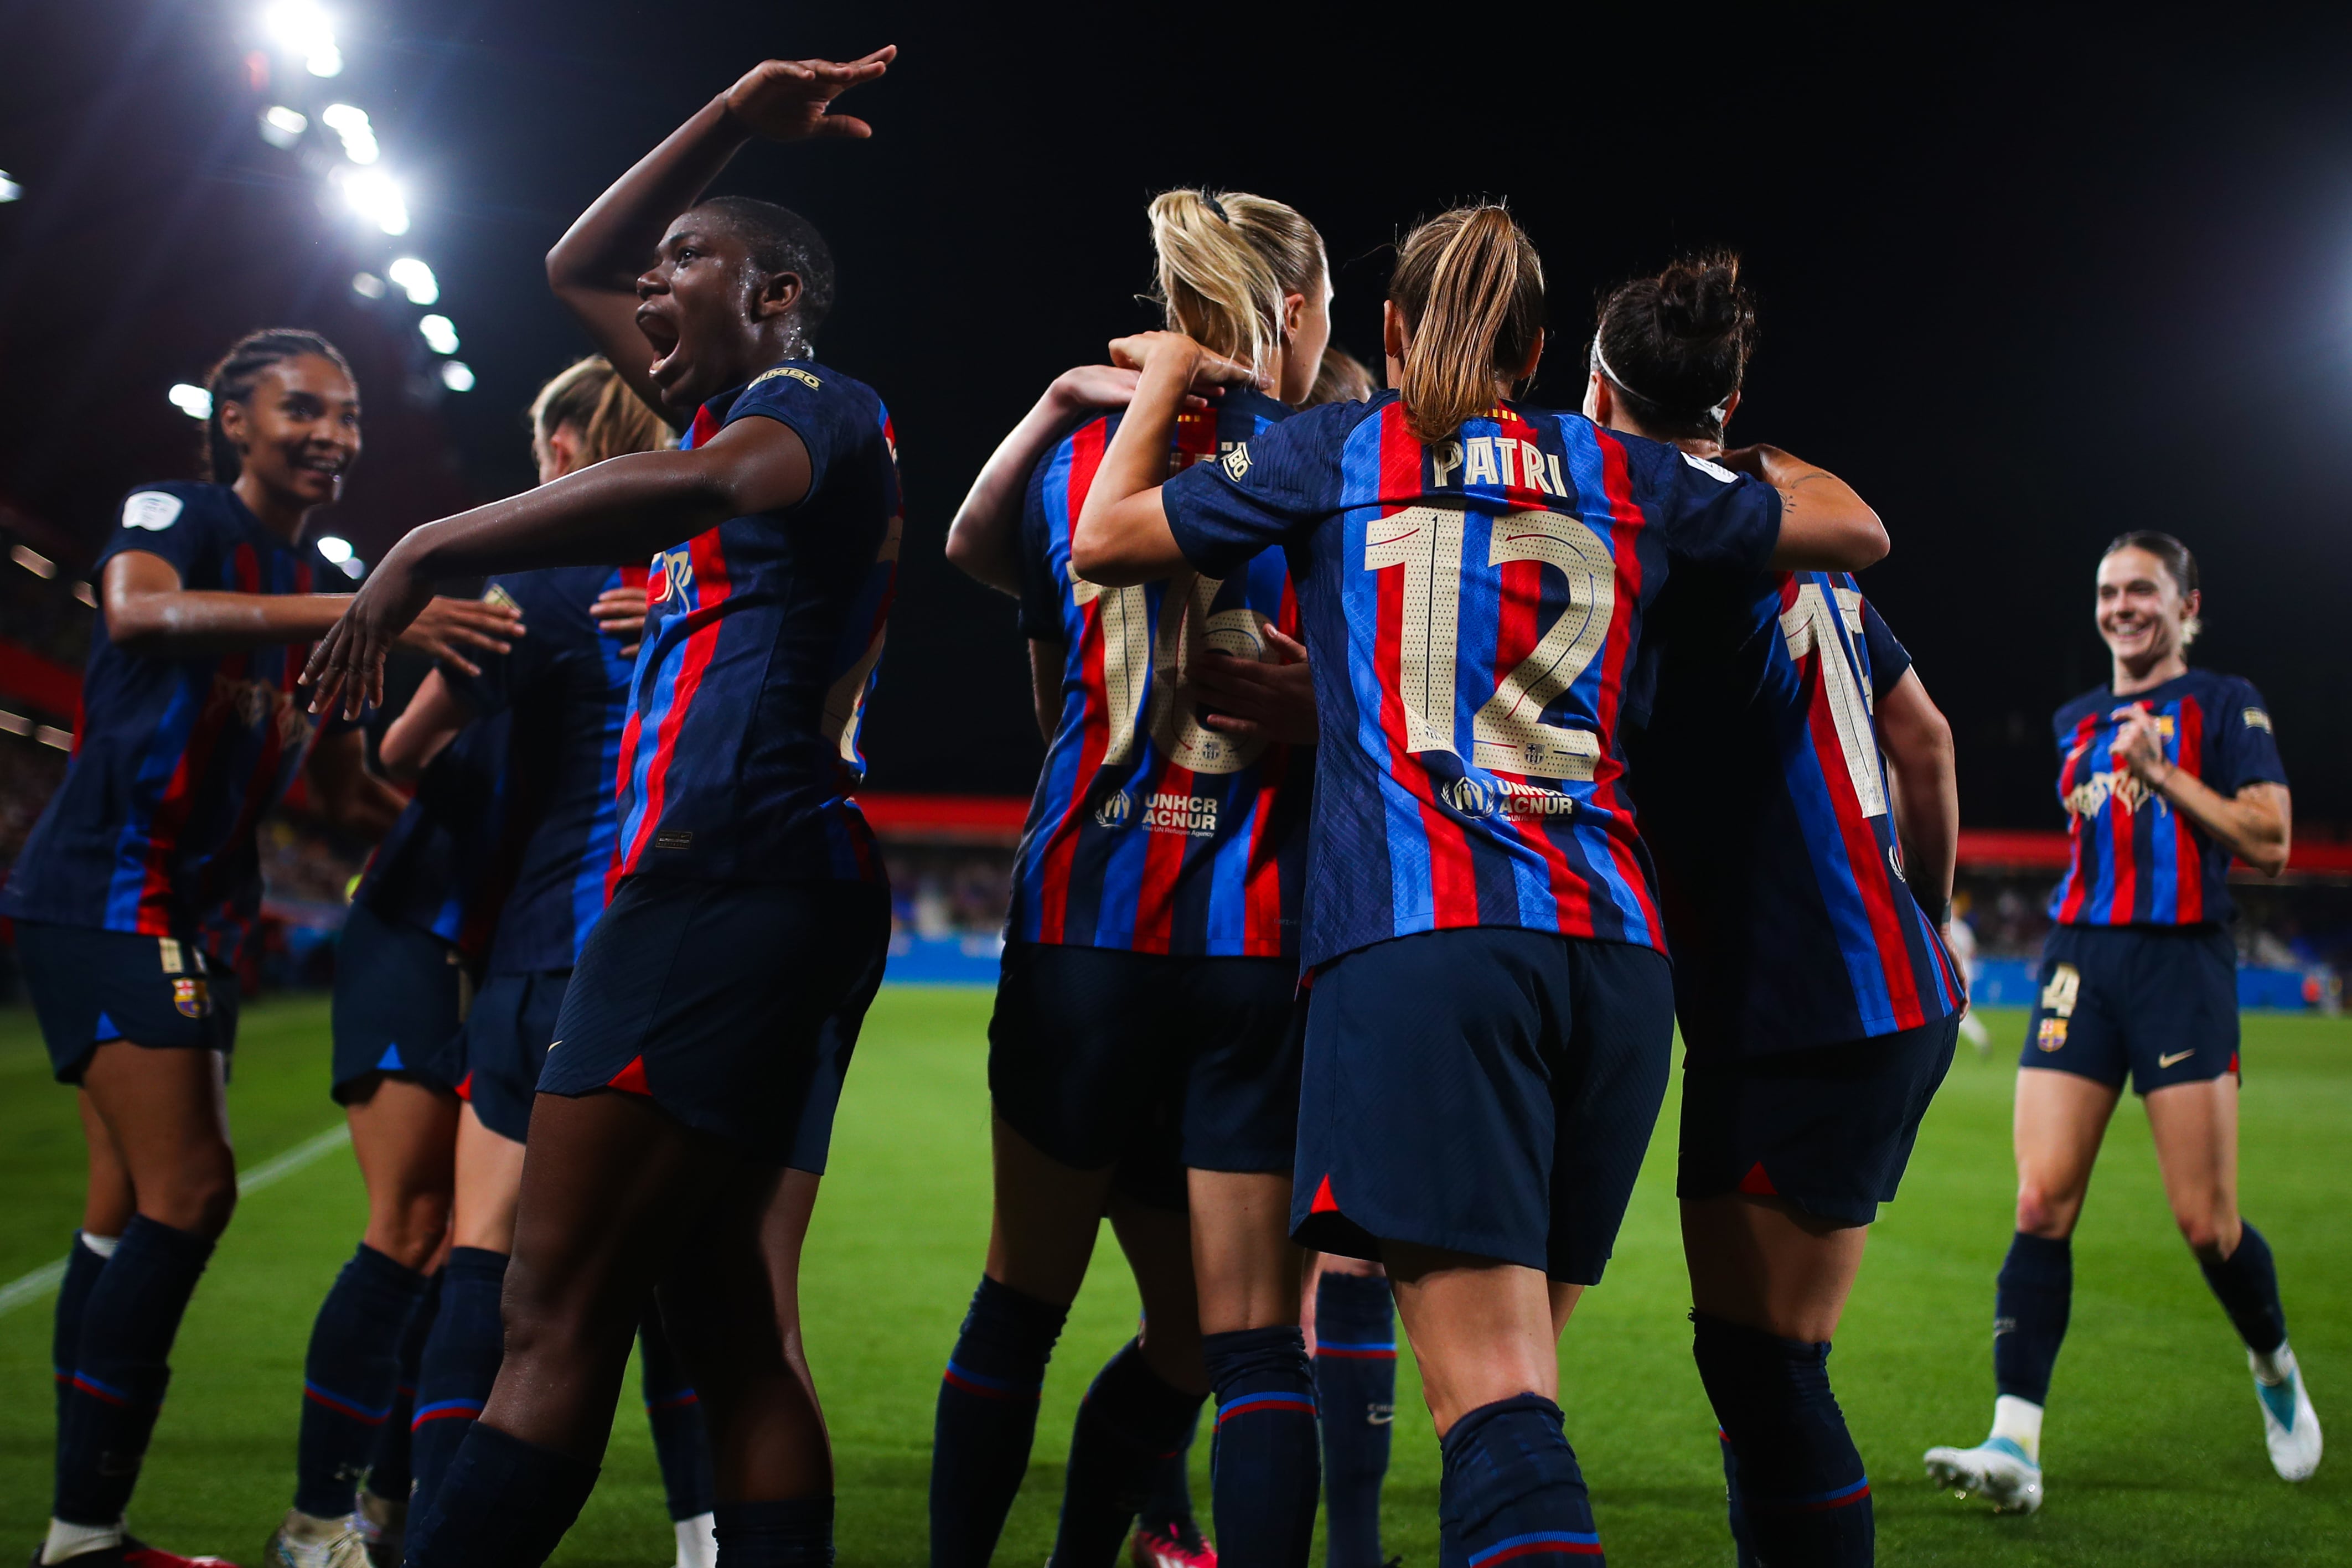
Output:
x,y
688,1097
1797,789
1142,1053
1487,1048
2166,773
137,894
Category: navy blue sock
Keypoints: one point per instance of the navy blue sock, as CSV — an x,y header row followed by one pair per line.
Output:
x,y
1512,1488
1800,1479
83,1266
2247,1283
388,1472
1355,1387
1264,1473
350,1378
987,1419
461,1363
1735,1506
504,1503
1128,1425
675,1413
796,1532
1168,1501
122,1366
2028,1314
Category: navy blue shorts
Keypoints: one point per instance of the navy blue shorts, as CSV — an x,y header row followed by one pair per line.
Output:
x,y
90,987
400,997
1151,1062
734,1006
1827,1127
1489,1091
496,1058
2158,1003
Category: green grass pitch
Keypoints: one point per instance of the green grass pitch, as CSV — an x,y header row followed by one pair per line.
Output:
x,y
2154,1444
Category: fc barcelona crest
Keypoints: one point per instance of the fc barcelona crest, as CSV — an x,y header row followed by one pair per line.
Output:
x,y
189,995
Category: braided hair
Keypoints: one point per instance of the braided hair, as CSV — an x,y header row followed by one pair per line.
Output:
x,y
238,373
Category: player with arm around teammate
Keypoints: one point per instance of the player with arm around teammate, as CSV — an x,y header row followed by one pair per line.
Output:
x,y
1487,1048
1796,786
2166,772
1142,1054
688,1097
141,883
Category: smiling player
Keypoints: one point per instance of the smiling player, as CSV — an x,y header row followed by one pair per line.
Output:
x,y
2166,773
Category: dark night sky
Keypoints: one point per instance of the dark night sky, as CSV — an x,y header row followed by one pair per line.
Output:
x,y
2026,283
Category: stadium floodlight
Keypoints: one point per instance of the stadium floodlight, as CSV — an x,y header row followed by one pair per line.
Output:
x,y
440,334
301,28
283,127
372,195
34,561
415,280
192,401
9,189
352,124
457,375
367,286
336,550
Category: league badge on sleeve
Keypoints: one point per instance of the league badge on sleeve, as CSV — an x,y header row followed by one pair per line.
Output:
x,y
153,510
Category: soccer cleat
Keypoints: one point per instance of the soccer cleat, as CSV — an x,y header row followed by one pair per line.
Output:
x,y
1996,1469
1176,1546
383,1526
304,1542
2289,1426
135,1553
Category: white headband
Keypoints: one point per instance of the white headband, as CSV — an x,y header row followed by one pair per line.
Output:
x,y
1715,413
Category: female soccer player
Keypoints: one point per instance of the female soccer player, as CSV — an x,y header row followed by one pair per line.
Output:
x,y
1801,895
2166,772
140,885
1142,1053
1487,1048
565,694
699,1049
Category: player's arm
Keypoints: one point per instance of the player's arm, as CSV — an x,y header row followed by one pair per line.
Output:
x,y
344,792
623,506
1122,536
1917,741
593,267
1046,662
149,611
2256,824
430,721
1824,526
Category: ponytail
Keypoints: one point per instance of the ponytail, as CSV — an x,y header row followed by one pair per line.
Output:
x,y
1469,286
1226,261
239,371
590,396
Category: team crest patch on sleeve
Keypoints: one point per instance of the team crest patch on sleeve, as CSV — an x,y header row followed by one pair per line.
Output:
x,y
2255,718
191,996
153,510
1713,470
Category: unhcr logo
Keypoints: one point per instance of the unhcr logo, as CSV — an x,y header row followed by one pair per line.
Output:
x,y
1471,797
1118,807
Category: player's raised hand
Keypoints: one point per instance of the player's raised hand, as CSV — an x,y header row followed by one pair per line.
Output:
x,y
1086,388
2139,745
347,667
621,612
791,101
1209,372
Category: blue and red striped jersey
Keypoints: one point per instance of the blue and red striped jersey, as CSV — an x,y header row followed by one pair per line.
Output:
x,y
175,759
1472,611
449,859
739,753
1763,795
1149,830
564,690
2136,861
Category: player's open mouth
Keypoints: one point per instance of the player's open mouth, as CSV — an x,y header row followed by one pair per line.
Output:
x,y
332,467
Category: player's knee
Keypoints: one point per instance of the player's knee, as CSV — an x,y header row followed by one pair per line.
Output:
x,y
2205,1234
2042,1211
201,1199
409,1232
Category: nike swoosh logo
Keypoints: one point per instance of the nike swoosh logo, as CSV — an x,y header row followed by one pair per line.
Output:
x,y
2175,1056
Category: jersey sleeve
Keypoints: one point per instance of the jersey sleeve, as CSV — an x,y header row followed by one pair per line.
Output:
x,y
1041,596
1888,658
163,522
1715,518
2247,749
1264,492
826,420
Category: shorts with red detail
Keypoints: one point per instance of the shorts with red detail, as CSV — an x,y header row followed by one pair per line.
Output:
x,y
494,1060
1489,1091
2158,1003
733,1006
1827,1127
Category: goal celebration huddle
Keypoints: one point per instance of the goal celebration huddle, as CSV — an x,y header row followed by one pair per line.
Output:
x,y
1419,761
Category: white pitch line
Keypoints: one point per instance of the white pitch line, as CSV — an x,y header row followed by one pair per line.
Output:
x,y
32,1287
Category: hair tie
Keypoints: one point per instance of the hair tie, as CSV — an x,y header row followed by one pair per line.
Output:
x,y
1601,361
1215,207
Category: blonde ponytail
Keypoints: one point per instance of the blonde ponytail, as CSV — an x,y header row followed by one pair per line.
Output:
x,y
1226,261
590,396
1470,287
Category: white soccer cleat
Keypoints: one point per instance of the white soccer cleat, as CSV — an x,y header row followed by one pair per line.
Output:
x,y
304,1542
2289,1426
1996,1469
